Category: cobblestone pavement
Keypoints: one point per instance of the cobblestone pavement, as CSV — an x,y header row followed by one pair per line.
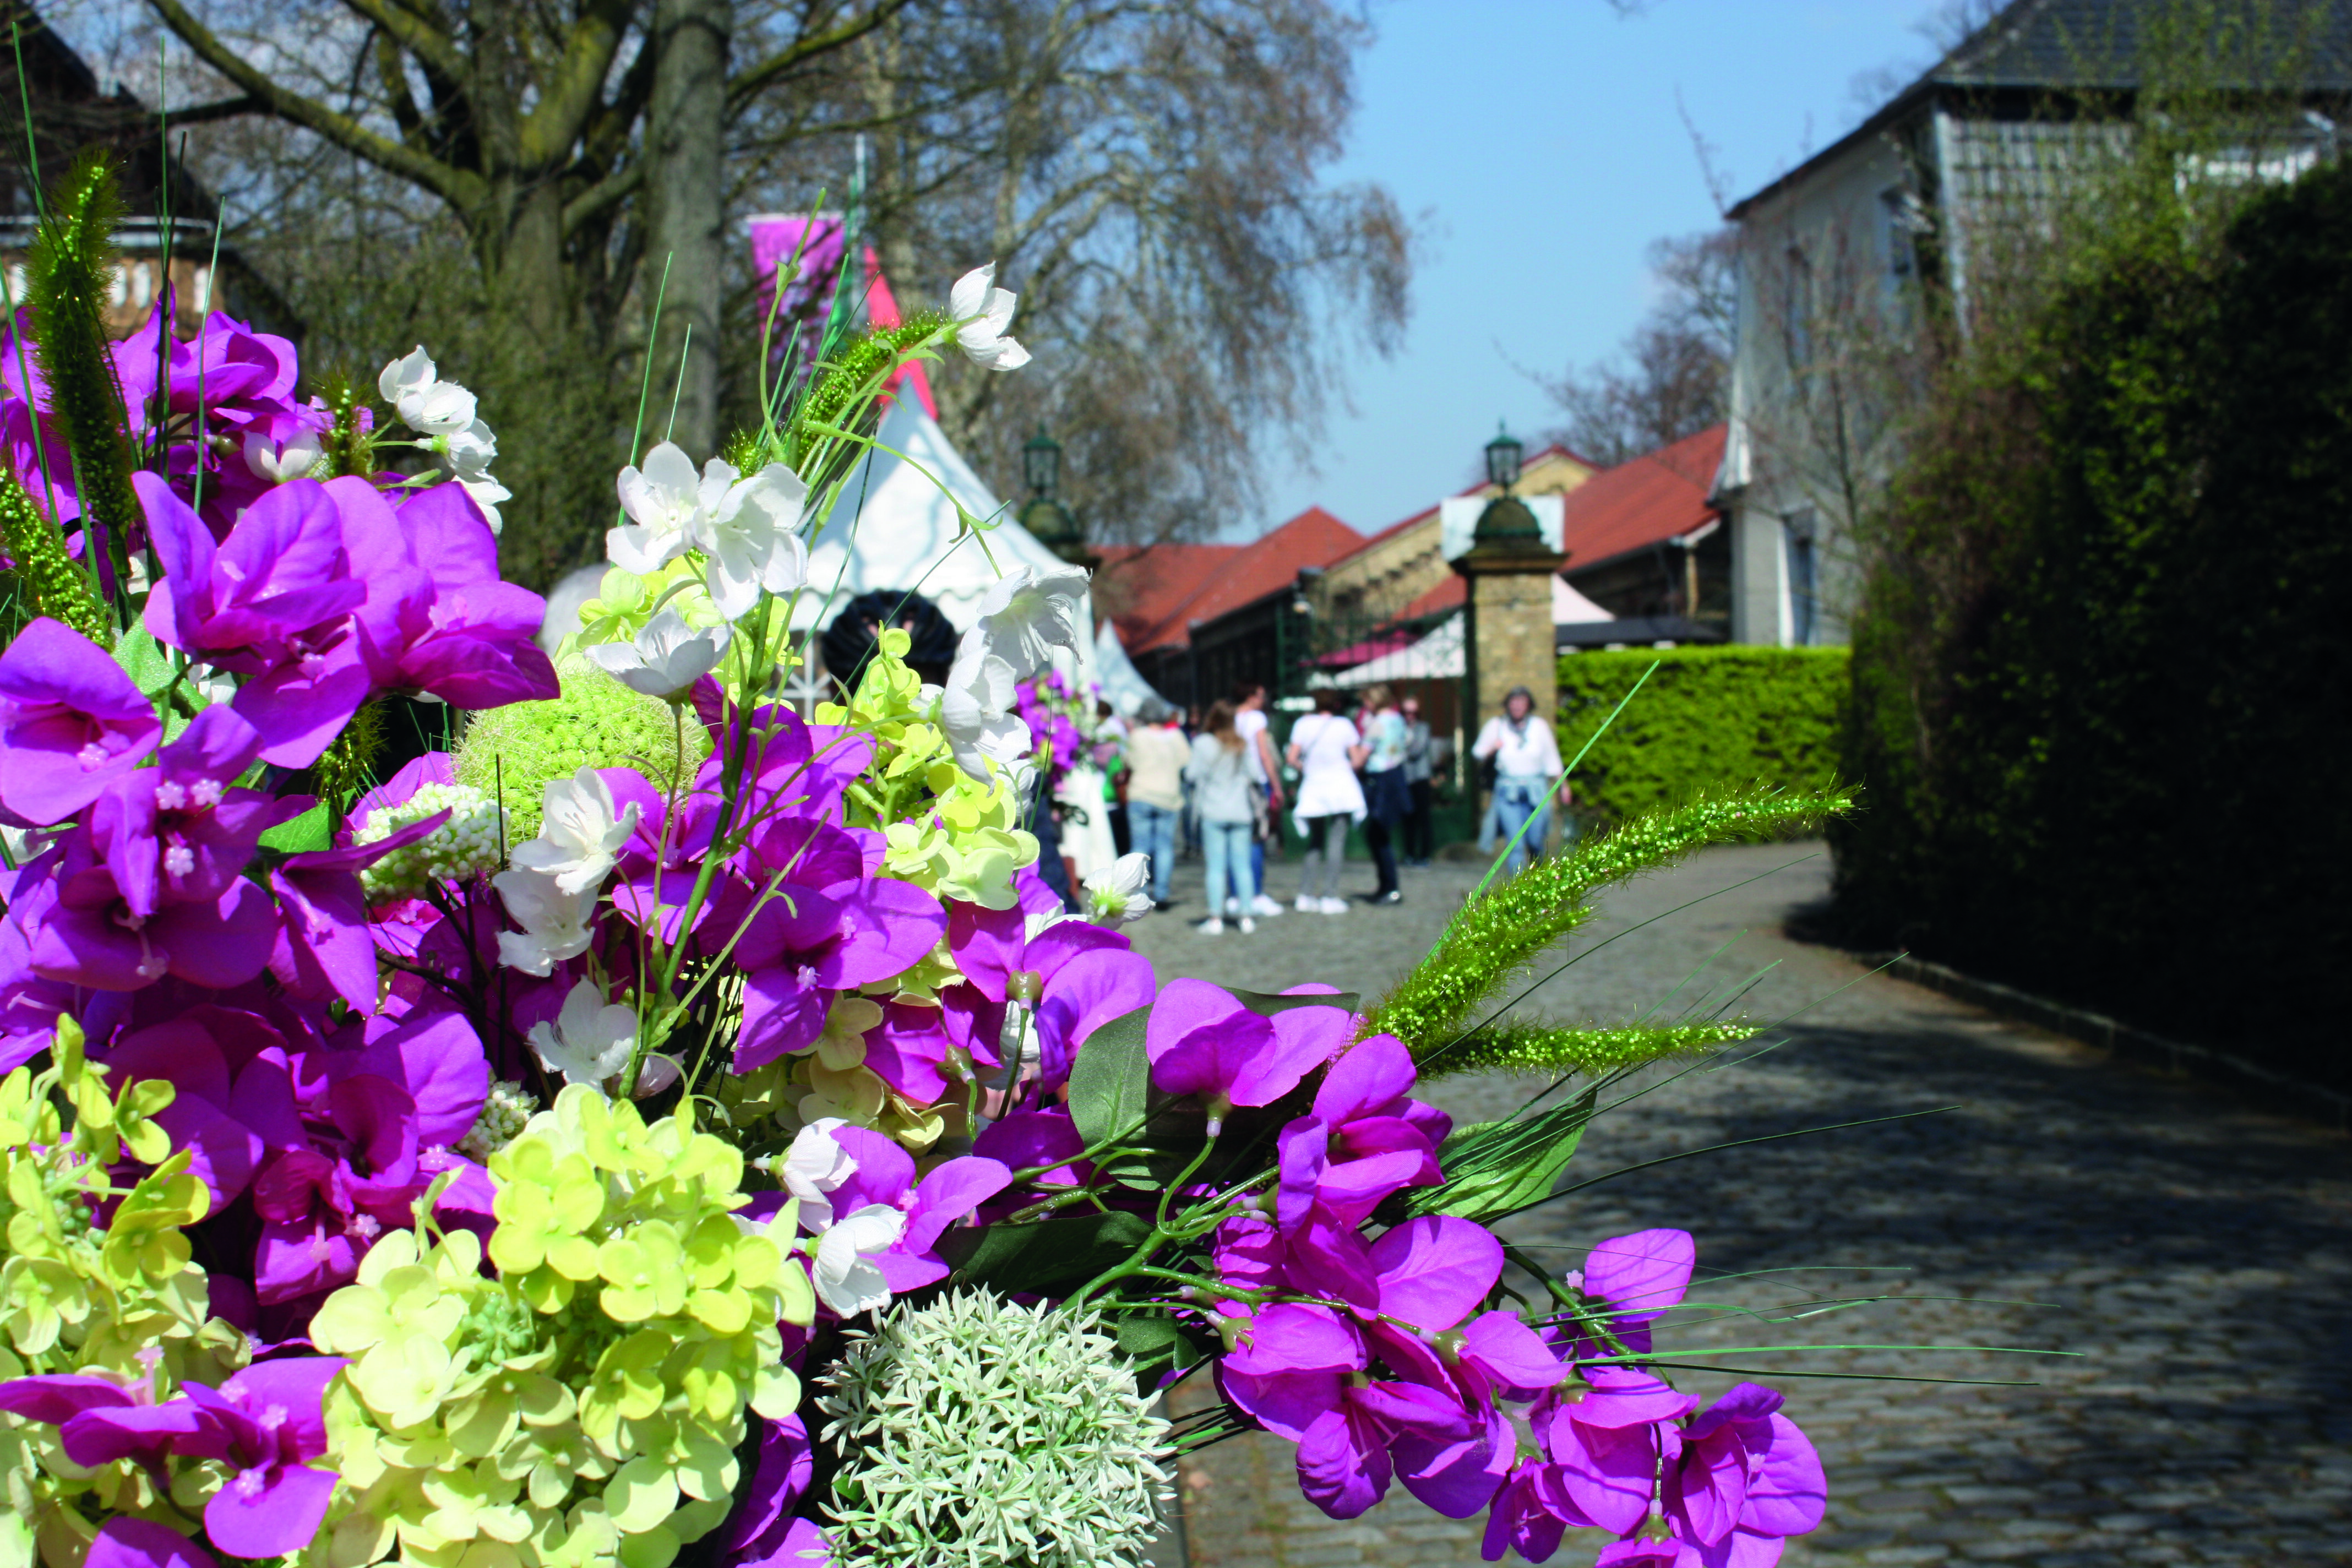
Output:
x,y
2196,1255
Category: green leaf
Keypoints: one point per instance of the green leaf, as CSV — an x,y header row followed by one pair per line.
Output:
x,y
306,833
1111,1081
1494,1167
1156,1344
143,659
1267,1006
1047,1258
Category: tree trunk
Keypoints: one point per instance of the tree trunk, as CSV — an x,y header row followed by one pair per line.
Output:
x,y
685,195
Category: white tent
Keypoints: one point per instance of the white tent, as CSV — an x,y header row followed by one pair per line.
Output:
x,y
1438,656
1121,684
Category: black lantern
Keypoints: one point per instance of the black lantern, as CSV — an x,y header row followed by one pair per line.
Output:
x,y
1041,463
1502,455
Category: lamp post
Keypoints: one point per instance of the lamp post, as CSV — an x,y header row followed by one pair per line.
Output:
x,y
1043,515
1503,454
1508,574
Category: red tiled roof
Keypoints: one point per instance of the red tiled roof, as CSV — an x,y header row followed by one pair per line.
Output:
x,y
1140,586
1312,538
1450,594
1658,496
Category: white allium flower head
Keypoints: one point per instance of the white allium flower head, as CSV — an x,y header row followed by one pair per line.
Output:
x,y
579,832
589,1041
1115,892
425,404
982,311
460,850
1037,1401
666,658
1025,615
506,1111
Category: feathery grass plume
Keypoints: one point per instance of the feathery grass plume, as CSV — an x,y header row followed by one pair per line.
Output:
x,y
48,581
847,391
69,275
351,440
595,722
1529,1046
1491,937
343,768
979,1432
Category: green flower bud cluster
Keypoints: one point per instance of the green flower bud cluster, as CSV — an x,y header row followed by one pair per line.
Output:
x,y
597,723
470,844
505,1113
948,834
974,1431
123,1303
582,1408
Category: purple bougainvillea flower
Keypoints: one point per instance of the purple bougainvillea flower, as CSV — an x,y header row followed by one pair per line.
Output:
x,y
202,1055
1529,1516
270,1423
278,588
439,618
178,832
885,1174
93,937
128,1542
1364,1140
1029,1139
71,722
807,944
1089,975
764,1514
1746,1478
324,946
1201,1041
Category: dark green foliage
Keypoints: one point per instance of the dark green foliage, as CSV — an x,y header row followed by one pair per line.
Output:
x,y
346,767
45,580
1710,718
2106,658
1500,932
66,286
1529,1046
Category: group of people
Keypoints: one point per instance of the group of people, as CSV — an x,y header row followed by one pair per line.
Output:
x,y
1220,781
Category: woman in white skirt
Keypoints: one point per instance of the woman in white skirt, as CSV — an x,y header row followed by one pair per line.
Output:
x,y
1326,751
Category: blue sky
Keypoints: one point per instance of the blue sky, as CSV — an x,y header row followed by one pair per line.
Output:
x,y
1540,144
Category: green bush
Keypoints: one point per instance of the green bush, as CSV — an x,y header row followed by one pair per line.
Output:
x,y
2102,669
1711,718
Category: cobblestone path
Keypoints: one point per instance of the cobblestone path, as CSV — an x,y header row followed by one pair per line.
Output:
x,y
2197,1254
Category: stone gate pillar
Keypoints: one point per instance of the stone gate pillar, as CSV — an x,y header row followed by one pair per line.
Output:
x,y
1508,571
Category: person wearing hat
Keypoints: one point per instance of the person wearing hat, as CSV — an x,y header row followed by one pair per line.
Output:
x,y
1527,762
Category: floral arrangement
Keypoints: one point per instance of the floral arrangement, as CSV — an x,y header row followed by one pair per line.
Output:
x,y
701,1129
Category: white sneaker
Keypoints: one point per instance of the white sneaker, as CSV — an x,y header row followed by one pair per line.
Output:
x,y
1213,926
1249,926
1265,906
1333,906
1233,905
1305,904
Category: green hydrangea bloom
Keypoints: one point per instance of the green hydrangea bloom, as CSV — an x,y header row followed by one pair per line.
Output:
x,y
972,1385
470,844
596,722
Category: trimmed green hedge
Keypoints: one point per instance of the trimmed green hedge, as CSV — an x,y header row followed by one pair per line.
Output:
x,y
1711,718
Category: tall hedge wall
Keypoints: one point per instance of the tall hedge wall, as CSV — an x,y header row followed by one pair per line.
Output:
x,y
1711,718
2103,692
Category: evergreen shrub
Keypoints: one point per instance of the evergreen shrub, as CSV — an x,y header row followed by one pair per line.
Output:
x,y
1711,718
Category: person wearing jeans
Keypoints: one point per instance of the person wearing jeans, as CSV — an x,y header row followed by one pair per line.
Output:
x,y
1220,772
1156,756
1386,799
1527,761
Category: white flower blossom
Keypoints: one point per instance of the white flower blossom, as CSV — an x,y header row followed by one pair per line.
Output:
x,y
579,832
1115,892
666,658
1024,616
976,709
589,1041
846,1279
751,538
425,404
556,924
982,311
487,493
662,501
813,1167
279,463
467,453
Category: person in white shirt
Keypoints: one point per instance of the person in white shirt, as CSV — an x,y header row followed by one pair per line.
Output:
x,y
1257,744
1527,761
1326,750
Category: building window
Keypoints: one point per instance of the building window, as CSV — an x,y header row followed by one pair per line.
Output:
x,y
1804,581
